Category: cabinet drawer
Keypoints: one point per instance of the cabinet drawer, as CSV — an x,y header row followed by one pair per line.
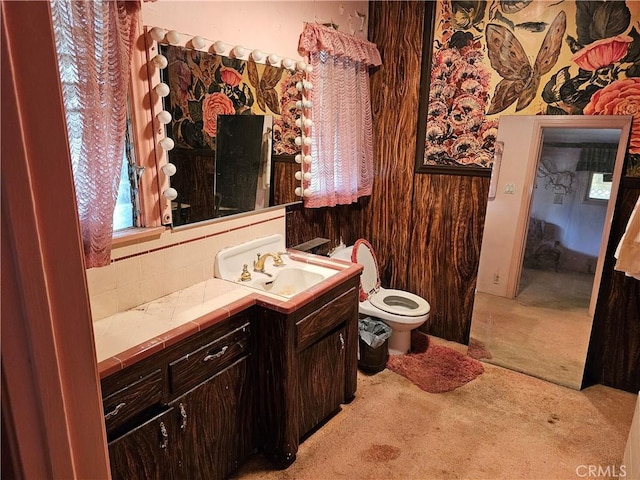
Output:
x,y
200,364
322,321
124,404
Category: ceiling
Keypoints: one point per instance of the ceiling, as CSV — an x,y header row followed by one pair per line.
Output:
x,y
581,135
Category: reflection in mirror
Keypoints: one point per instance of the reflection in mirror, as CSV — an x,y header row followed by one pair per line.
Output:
x,y
243,164
229,119
543,244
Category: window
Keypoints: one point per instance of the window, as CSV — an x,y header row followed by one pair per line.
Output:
x,y
125,214
599,186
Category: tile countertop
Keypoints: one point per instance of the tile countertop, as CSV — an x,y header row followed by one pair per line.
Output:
x,y
128,337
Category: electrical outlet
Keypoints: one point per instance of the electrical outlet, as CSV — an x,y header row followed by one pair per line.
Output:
x,y
496,278
510,188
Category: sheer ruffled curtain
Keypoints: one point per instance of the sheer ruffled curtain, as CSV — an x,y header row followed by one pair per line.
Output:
x,y
94,40
342,146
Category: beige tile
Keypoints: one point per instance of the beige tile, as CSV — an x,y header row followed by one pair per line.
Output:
x,y
129,296
125,251
127,271
151,265
195,274
102,279
104,304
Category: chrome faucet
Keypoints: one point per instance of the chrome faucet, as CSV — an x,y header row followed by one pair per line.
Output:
x,y
258,265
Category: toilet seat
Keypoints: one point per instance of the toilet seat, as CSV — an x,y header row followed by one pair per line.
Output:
x,y
399,302
396,302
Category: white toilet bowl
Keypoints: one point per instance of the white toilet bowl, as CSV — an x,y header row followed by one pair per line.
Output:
x,y
402,311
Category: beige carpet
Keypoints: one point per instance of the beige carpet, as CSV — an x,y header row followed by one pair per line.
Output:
x,y
544,331
502,425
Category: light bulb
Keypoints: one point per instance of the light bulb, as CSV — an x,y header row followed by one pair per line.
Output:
x,y
198,42
167,144
307,159
170,193
160,61
238,51
162,90
308,141
298,175
169,169
273,59
298,122
298,158
298,191
307,85
300,65
299,86
173,37
287,63
308,122
299,104
308,69
307,176
298,141
157,33
307,103
164,117
307,192
257,55
219,46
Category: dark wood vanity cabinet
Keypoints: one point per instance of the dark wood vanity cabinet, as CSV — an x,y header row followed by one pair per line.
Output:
x,y
311,359
187,411
199,408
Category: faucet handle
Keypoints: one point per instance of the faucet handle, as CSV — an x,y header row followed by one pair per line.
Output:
x,y
277,260
245,276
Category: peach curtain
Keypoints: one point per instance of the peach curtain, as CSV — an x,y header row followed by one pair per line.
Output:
x,y
94,40
342,146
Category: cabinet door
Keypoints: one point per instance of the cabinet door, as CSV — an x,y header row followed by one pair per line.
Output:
x,y
147,452
321,374
216,423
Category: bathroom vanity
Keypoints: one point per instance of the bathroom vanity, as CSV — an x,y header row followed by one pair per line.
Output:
x,y
257,374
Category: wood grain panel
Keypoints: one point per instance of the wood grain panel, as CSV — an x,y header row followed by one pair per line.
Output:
x,y
447,232
613,357
284,182
397,29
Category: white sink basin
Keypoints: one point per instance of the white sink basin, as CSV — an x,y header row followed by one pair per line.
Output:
x,y
289,282
286,281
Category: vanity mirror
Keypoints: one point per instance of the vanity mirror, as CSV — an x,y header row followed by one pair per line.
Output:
x,y
545,236
231,126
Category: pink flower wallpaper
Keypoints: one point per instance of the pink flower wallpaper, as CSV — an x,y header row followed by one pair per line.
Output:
x,y
204,86
530,57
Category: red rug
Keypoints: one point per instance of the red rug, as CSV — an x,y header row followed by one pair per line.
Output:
x,y
435,368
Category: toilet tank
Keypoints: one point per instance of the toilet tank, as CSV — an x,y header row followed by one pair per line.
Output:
x,y
342,253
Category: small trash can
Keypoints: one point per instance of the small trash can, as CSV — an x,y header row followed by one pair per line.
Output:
x,y
373,345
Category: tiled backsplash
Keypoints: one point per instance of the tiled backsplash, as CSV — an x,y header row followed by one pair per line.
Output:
x,y
147,270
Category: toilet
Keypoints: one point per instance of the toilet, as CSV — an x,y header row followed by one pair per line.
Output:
x,y
402,311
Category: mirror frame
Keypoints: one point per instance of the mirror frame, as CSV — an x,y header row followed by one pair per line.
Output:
x,y
155,103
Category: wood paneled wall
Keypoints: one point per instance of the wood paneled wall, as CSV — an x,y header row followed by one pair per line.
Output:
x,y
427,229
613,357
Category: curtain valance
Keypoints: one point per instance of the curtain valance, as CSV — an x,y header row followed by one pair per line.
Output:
x,y
317,38
600,159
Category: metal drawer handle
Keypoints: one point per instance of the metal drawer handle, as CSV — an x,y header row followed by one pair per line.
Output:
x,y
165,436
183,414
115,411
216,355
341,342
